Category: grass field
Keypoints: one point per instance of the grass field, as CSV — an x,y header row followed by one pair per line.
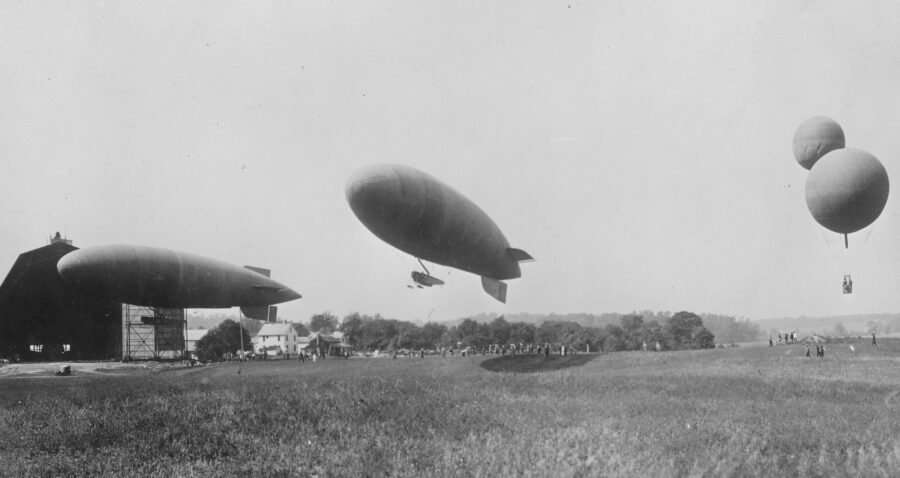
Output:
x,y
748,411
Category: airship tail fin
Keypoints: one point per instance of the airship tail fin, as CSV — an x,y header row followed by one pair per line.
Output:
x,y
265,313
494,288
519,255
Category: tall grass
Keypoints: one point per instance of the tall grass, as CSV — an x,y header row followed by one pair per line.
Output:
x,y
755,411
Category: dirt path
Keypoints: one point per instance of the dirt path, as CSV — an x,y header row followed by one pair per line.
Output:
x,y
49,369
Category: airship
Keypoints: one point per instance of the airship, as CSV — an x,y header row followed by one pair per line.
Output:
x,y
846,190
816,137
163,278
420,215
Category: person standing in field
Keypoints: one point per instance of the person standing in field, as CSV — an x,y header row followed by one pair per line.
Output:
x,y
807,352
874,342
658,347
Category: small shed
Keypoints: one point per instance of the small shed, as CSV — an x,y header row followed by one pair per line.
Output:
x,y
325,345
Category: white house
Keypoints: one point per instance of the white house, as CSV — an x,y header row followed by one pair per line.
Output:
x,y
272,338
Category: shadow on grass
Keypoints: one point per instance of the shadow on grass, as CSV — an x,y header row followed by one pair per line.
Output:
x,y
535,363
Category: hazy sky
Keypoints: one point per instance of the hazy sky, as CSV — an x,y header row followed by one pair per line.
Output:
x,y
639,150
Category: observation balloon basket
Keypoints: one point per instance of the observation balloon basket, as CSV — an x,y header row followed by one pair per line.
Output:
x,y
847,286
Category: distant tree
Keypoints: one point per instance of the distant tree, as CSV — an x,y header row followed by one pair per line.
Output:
x,y
432,333
840,330
377,333
654,332
593,337
632,323
702,338
521,333
467,328
614,338
300,329
633,328
325,323
222,340
351,327
409,335
499,331
685,330
872,327
559,332
392,344
730,329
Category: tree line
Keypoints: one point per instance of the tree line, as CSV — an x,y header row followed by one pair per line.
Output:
x,y
683,330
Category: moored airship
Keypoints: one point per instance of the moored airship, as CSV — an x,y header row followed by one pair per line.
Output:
x,y
424,217
155,277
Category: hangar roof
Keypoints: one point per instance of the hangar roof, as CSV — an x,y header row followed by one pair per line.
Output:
x,y
21,278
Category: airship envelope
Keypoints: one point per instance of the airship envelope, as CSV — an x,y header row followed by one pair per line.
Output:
x,y
846,190
424,217
816,137
154,277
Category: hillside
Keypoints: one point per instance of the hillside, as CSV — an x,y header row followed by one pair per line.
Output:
x,y
862,324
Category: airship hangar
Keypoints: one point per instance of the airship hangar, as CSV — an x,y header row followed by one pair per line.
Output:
x,y
43,318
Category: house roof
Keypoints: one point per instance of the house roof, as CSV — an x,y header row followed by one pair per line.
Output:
x,y
325,338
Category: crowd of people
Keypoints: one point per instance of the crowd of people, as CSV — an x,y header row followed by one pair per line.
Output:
x,y
787,338
544,350
791,338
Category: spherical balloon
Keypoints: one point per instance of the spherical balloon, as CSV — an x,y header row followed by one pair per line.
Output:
x,y
846,190
815,138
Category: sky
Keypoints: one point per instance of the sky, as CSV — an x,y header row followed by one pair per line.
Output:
x,y
640,150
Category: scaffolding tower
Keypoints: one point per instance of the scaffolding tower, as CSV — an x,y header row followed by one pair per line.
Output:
x,y
153,333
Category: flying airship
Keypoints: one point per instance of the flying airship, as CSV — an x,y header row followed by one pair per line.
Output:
x,y
816,137
163,278
846,189
424,217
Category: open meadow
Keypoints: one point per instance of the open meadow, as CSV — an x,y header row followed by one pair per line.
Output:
x,y
746,411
